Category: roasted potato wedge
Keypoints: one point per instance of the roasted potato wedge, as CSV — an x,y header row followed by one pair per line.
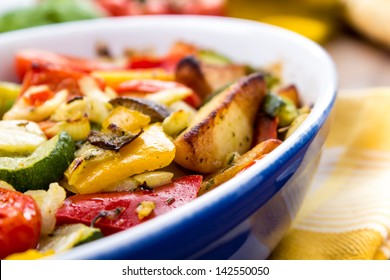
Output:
x,y
205,78
219,76
291,93
222,126
189,73
244,161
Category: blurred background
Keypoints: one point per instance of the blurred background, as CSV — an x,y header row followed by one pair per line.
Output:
x,y
354,32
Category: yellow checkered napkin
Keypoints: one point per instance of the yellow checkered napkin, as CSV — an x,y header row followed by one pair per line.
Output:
x,y
347,213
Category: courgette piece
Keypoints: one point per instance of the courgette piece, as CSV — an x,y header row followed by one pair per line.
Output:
x,y
277,106
212,57
8,94
69,236
19,138
44,166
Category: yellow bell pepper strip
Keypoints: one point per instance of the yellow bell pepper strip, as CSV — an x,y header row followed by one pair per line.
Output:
x,y
31,254
114,78
26,59
113,212
126,119
149,151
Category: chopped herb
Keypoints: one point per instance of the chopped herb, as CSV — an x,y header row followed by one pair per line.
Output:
x,y
209,184
109,214
169,201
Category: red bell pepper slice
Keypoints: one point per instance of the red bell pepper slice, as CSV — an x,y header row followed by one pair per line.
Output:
x,y
145,62
113,212
37,98
25,60
56,78
266,127
177,52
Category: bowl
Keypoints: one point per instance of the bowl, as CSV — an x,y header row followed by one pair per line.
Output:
x,y
246,217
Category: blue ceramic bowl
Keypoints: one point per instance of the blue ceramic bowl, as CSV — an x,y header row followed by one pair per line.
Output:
x,y
247,216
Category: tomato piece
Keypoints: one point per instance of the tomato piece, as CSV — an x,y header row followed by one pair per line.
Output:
x,y
20,222
25,60
118,210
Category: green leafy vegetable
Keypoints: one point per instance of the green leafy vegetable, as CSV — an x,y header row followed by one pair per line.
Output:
x,y
48,12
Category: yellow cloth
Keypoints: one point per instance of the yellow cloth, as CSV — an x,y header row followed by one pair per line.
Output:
x,y
347,214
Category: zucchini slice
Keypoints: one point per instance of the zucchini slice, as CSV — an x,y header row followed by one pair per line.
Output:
x,y
68,236
44,166
19,138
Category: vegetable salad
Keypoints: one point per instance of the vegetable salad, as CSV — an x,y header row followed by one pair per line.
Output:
x,y
91,147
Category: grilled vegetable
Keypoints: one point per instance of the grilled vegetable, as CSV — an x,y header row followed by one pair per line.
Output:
x,y
8,94
44,166
77,129
153,179
98,100
37,104
113,140
224,125
155,111
113,212
114,78
20,222
244,161
69,236
127,119
6,186
19,138
188,72
296,123
212,57
290,93
176,122
91,173
266,127
205,77
277,106
48,202
26,58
